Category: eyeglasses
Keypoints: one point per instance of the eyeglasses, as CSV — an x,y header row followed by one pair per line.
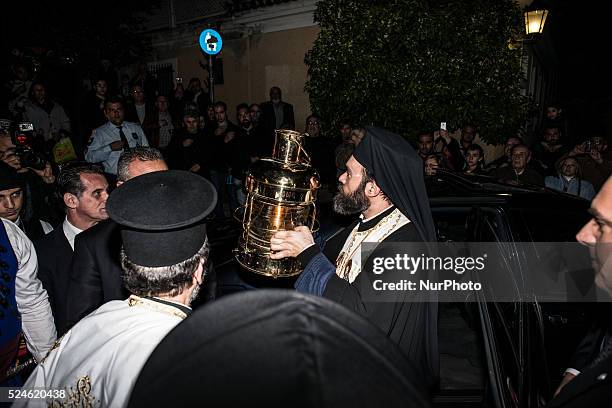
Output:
x,y
312,122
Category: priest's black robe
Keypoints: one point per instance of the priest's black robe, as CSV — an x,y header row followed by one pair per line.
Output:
x,y
410,324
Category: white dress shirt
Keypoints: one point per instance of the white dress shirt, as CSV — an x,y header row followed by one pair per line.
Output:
x,y
70,231
32,299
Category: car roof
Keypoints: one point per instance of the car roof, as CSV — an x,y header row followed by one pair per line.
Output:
x,y
450,188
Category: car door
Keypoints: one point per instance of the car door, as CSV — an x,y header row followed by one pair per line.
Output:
x,y
480,354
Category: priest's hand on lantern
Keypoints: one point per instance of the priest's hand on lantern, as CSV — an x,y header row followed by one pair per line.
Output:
x,y
290,243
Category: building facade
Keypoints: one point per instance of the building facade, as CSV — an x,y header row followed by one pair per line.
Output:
x,y
263,46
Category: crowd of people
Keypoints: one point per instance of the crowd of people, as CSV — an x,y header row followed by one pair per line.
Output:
x,y
186,127
116,202
579,169
193,133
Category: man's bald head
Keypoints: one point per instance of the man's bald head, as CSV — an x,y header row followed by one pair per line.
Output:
x,y
138,161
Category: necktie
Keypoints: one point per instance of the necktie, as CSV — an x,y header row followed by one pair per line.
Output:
x,y
126,145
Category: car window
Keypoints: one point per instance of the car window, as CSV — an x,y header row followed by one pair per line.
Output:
x,y
520,331
454,224
506,318
549,225
477,224
563,325
463,372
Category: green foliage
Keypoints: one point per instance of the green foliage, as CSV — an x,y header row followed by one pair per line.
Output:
x,y
407,65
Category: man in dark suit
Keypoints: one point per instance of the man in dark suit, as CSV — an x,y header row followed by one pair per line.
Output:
x,y
138,110
592,387
83,189
519,171
277,114
197,95
95,276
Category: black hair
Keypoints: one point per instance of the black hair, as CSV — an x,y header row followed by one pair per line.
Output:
x,y
242,106
35,83
476,147
221,104
113,99
69,178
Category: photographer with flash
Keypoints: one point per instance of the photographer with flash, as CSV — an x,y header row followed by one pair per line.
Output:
x,y
38,188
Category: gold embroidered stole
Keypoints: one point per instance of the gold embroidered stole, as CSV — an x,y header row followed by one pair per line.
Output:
x,y
348,263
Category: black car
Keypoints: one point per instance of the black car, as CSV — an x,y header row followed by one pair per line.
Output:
x,y
509,354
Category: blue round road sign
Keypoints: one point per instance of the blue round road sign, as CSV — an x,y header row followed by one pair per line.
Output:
x,y
211,42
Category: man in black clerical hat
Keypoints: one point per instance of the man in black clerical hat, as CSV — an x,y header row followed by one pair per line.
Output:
x,y
165,248
384,183
277,348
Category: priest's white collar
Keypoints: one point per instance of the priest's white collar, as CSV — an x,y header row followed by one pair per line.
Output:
x,y
375,215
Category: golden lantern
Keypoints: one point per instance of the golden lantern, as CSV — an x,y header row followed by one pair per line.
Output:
x,y
281,194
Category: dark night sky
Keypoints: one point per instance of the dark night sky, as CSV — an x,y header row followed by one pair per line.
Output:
x,y
582,35
585,52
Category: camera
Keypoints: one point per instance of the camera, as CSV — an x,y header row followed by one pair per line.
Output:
x,y
26,127
23,139
5,126
587,146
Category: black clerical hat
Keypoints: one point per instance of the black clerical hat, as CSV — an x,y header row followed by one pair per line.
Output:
x,y
9,178
161,216
398,171
277,348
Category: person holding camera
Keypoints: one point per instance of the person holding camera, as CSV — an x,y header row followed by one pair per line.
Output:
x,y
38,199
448,148
594,159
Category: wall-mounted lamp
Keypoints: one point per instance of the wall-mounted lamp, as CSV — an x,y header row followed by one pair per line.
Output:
x,y
535,18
